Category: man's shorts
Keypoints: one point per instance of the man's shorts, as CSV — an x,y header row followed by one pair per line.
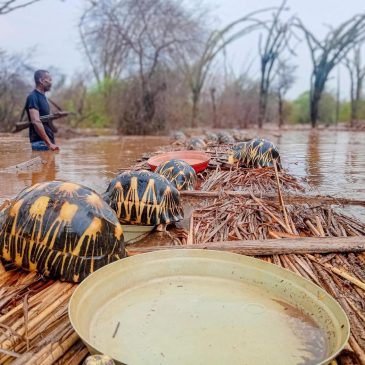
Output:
x,y
39,146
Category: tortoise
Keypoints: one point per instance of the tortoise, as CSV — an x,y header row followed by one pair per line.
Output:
x,y
143,197
178,172
212,137
258,152
197,143
179,136
60,229
99,360
225,137
239,136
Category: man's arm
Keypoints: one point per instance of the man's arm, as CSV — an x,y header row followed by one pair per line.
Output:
x,y
34,119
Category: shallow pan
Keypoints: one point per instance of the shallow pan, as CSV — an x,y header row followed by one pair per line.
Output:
x,y
206,307
198,160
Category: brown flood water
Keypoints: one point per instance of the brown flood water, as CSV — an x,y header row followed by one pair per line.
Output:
x,y
333,162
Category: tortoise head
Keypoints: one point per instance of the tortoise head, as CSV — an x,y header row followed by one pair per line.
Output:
x,y
237,152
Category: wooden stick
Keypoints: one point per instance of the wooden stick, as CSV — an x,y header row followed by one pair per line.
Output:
x,y
272,246
26,165
281,198
190,239
25,309
289,198
340,272
288,230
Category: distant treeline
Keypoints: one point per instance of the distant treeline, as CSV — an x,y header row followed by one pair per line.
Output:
x,y
156,65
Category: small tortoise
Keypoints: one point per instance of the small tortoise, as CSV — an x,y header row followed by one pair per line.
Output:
x,y
239,136
60,229
179,173
179,136
255,153
212,137
197,143
225,137
99,360
143,197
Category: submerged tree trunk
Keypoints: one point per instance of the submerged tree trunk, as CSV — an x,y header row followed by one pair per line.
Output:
x,y
355,101
214,107
195,109
262,107
315,95
281,109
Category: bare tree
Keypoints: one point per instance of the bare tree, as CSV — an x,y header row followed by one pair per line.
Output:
x,y
134,39
11,5
326,54
197,67
102,44
277,39
357,75
284,81
12,88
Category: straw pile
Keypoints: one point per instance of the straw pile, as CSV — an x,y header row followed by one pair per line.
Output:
x,y
34,327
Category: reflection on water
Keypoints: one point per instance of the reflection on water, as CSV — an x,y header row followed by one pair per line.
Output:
x,y
90,161
313,170
333,162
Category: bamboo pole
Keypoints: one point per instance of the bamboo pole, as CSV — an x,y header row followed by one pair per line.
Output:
x,y
281,198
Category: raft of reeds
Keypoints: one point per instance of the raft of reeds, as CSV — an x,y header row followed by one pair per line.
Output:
x,y
234,209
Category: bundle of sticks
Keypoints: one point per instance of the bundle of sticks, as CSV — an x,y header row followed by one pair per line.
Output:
x,y
34,324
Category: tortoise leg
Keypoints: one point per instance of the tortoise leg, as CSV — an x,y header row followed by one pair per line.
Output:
x,y
161,227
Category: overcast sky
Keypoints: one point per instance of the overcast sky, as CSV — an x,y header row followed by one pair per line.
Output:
x,y
51,27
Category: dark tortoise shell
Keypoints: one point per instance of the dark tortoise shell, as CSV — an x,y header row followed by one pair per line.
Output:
x,y
179,173
61,230
143,197
225,137
196,143
258,152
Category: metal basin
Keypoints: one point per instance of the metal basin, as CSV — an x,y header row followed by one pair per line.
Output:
x,y
206,307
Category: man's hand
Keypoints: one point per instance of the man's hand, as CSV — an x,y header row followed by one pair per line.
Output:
x,y
53,147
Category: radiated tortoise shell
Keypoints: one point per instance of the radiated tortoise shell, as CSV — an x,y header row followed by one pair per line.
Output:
x,y
143,197
60,229
179,173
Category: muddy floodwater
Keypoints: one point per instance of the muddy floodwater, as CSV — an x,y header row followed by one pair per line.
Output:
x,y
333,162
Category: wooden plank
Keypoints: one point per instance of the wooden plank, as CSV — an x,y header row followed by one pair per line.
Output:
x,y
310,245
26,165
289,198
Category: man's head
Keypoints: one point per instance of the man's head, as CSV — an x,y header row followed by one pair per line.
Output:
x,y
43,80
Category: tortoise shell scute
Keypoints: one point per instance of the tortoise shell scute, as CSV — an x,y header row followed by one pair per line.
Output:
x,y
179,173
144,197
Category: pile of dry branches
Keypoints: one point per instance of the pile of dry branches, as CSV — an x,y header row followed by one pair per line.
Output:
x,y
255,180
239,218
34,325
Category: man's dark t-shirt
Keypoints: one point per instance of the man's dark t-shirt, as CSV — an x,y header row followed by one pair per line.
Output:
x,y
37,100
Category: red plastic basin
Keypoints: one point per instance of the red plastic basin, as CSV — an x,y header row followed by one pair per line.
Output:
x,y
198,160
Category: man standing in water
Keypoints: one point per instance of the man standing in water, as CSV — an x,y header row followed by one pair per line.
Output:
x,y
41,135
